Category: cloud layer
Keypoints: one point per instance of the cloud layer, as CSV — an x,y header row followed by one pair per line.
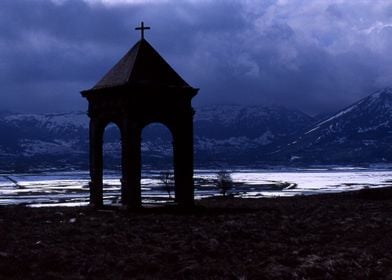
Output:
x,y
312,55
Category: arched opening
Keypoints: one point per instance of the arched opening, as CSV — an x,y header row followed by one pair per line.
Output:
x,y
157,164
111,164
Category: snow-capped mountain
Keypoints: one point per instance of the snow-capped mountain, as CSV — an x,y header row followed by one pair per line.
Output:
x,y
359,133
231,134
222,133
38,139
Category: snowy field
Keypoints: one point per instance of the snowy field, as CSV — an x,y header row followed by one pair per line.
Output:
x,y
70,188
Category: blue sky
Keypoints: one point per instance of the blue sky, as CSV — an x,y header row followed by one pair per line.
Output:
x,y
315,56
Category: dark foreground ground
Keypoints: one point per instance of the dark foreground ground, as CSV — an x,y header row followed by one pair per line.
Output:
x,y
346,236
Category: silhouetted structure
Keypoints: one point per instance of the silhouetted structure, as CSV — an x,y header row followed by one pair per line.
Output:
x,y
141,89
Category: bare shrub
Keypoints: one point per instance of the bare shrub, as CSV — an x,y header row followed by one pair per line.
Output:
x,y
224,182
167,179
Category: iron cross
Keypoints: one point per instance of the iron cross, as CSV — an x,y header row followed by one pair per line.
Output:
x,y
142,28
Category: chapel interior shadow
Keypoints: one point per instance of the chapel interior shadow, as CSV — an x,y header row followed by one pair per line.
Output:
x,y
111,164
157,165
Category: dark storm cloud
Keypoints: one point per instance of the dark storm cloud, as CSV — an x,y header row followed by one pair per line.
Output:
x,y
48,52
313,55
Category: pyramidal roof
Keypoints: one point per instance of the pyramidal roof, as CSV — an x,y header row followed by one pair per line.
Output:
x,y
141,65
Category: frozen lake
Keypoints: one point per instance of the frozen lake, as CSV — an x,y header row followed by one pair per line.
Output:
x,y
70,188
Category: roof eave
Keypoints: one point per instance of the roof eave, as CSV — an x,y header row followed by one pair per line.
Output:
x,y
135,87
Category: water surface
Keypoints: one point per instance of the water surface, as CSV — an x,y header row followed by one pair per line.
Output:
x,y
71,188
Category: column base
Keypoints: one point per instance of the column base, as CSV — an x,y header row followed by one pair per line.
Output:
x,y
96,194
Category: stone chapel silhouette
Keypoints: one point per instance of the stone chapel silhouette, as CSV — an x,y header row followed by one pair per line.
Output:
x,y
139,90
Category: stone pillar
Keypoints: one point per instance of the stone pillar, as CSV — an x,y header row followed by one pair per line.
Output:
x,y
131,164
183,160
96,150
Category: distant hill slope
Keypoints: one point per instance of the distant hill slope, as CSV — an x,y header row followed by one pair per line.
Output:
x,y
240,134
360,133
47,140
224,134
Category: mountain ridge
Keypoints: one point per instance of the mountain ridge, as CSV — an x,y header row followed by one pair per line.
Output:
x,y
255,135
363,128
